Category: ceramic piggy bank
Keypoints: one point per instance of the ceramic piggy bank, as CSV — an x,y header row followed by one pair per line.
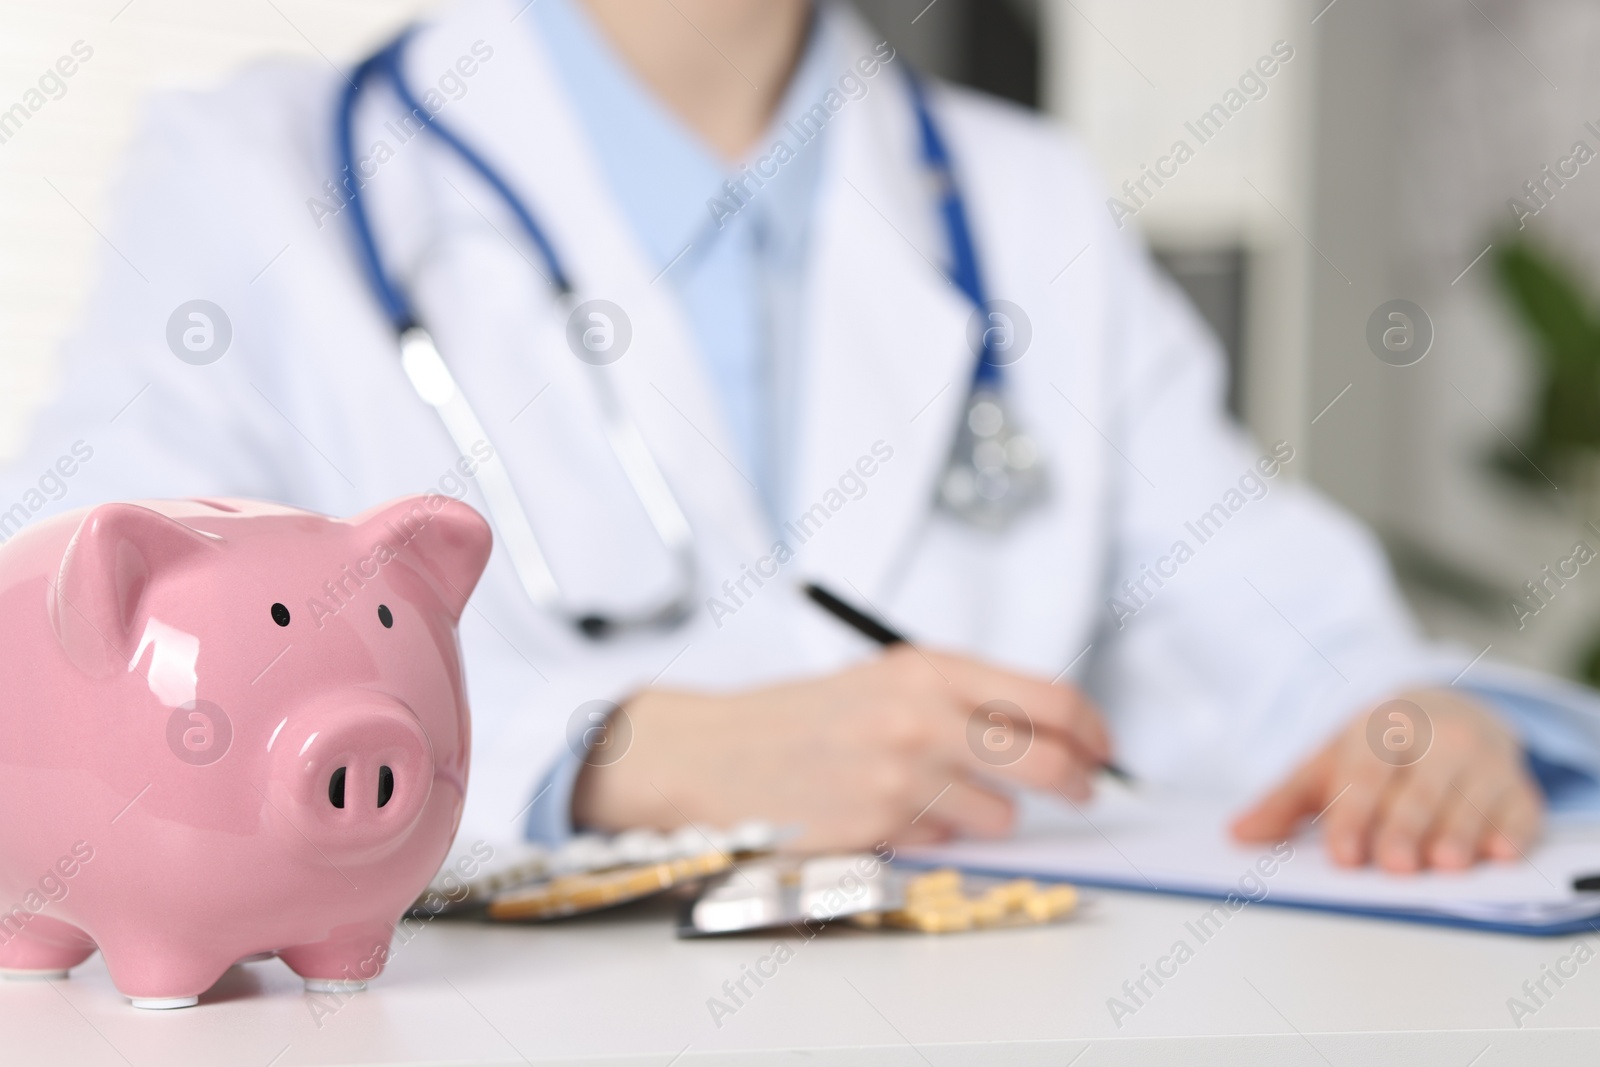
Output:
x,y
228,729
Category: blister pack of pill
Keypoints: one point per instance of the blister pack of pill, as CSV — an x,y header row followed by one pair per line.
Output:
x,y
865,891
520,881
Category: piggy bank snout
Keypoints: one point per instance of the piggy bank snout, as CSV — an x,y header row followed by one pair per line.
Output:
x,y
354,775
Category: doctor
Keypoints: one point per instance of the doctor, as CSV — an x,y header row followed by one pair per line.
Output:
x,y
780,371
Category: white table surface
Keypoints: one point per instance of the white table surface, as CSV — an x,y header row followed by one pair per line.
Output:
x,y
1275,986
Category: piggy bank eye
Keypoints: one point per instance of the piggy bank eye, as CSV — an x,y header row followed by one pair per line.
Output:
x,y
385,616
280,615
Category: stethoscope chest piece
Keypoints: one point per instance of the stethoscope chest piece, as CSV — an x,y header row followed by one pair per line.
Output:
x,y
995,470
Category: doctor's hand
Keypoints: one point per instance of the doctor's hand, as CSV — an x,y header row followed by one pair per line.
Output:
x,y
885,751
1465,797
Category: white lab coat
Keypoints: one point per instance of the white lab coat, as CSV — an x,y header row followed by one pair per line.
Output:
x,y
1278,629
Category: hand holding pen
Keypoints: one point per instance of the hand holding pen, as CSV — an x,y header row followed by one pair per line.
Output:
x,y
872,627
909,747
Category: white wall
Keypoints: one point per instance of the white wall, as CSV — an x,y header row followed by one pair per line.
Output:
x,y
1128,76
1488,97
1392,143
56,169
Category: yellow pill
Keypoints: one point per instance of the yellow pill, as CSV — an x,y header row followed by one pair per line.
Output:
x,y
1051,904
943,920
944,880
931,920
1012,895
1062,898
988,911
936,901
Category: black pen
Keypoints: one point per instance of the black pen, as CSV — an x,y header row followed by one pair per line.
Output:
x,y
875,628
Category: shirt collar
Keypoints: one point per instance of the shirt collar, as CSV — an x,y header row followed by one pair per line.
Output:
x,y
662,174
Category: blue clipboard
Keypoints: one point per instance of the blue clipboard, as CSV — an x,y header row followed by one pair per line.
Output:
x,y
1588,922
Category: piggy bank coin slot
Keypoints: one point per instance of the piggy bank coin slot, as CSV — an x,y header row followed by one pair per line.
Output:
x,y
385,785
336,788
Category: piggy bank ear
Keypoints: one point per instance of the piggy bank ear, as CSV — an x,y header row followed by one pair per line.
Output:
x,y
444,540
106,572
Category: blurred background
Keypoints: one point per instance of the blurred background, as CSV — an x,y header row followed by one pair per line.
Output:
x,y
1439,152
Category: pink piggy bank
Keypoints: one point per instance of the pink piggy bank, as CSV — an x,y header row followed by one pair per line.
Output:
x,y
230,729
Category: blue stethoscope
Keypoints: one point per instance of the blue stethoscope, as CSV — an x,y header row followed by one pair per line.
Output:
x,y
994,471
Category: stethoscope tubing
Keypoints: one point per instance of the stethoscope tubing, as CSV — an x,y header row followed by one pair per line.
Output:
x,y
434,383
430,376
964,270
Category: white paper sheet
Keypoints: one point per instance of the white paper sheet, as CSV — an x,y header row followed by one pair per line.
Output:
x,y
1179,843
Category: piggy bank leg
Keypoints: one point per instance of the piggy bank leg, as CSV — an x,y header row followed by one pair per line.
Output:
x,y
157,975
352,956
41,948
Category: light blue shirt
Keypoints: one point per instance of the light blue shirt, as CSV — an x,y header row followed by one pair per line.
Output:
x,y
731,240
1561,756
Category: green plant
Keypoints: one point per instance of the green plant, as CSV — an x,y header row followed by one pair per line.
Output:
x,y
1564,325
1564,434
